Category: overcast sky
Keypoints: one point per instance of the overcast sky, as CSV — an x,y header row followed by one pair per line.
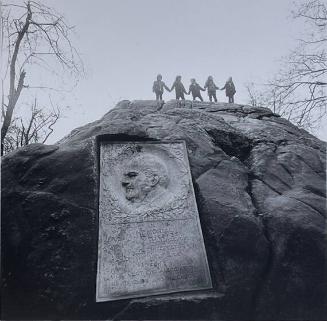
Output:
x,y
126,43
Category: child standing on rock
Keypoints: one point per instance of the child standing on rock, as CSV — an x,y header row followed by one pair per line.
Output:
x,y
195,90
179,88
211,86
230,90
158,87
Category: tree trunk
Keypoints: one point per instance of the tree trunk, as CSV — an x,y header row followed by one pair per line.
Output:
x,y
15,93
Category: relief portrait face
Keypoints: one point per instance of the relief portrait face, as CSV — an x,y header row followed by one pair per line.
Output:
x,y
142,177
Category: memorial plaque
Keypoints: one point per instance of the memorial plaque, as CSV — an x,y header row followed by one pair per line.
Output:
x,y
150,239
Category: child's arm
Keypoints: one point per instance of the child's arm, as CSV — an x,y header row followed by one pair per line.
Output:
x,y
166,87
172,87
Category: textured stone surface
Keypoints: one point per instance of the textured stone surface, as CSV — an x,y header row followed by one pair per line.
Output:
x,y
260,185
150,238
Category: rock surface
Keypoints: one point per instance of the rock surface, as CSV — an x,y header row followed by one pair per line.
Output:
x,y
260,184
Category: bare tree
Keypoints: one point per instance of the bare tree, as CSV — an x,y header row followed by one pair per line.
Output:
x,y
265,96
36,127
256,97
298,91
35,35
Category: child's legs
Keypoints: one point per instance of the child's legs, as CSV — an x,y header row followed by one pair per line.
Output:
x,y
213,95
159,95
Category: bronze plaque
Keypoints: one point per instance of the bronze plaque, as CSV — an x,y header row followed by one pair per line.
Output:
x,y
150,238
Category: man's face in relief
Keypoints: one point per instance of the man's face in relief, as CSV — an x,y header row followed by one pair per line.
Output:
x,y
138,180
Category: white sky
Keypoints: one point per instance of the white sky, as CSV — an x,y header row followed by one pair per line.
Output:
x,y
126,43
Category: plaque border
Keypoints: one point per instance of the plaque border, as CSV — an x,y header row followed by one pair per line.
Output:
x,y
102,139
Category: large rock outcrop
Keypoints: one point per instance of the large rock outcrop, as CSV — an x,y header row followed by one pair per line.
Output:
x,y
260,184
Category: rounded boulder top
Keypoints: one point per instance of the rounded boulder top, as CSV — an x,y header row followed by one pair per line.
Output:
x,y
260,185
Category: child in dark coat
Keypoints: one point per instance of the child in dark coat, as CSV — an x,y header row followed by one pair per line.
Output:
x,y
211,88
195,89
158,87
230,90
179,88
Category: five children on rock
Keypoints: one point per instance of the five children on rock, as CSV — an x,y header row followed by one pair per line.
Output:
x,y
195,89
